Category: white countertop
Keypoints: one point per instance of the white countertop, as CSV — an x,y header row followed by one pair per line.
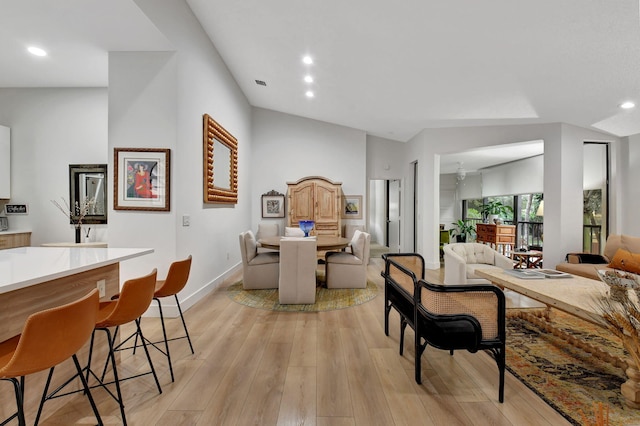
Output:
x,y
26,266
14,231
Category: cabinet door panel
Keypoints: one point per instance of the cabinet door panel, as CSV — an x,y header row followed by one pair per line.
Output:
x,y
327,206
301,203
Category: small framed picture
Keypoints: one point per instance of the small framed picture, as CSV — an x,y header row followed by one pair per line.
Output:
x,y
16,208
141,179
352,207
273,204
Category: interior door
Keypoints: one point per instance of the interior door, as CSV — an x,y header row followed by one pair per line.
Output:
x,y
393,215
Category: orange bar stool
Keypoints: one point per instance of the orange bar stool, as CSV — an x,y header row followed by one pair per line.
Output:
x,y
134,299
174,283
48,338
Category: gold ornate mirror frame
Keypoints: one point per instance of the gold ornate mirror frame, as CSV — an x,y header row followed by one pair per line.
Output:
x,y
216,138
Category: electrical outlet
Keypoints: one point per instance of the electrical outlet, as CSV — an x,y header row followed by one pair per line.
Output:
x,y
102,287
228,256
186,220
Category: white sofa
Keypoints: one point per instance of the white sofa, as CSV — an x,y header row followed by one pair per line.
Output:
x,y
461,260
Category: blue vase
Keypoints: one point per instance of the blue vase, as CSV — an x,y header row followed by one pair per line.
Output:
x,y
306,226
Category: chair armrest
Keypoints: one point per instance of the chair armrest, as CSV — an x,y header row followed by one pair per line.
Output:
x,y
585,258
455,268
503,262
485,302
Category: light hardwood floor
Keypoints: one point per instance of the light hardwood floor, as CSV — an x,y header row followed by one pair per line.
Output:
x,y
256,367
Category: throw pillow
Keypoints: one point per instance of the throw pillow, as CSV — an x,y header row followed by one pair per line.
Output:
x,y
626,261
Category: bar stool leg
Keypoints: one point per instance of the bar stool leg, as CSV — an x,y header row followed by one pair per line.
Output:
x,y
116,380
166,341
85,386
18,388
146,350
164,332
184,324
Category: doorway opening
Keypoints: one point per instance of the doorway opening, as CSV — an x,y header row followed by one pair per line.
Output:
x,y
384,213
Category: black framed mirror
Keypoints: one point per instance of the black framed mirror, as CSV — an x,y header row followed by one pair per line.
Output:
x,y
88,187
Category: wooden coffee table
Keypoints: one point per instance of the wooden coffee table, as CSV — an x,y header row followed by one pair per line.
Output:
x,y
576,296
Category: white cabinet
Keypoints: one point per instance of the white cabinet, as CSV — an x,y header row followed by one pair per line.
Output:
x,y
5,162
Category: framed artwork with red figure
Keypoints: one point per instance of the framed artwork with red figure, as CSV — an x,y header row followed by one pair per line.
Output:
x,y
141,179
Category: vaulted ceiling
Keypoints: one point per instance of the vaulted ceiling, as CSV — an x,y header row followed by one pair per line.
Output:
x,y
388,68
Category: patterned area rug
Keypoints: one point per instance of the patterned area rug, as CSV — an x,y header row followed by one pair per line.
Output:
x,y
569,379
326,299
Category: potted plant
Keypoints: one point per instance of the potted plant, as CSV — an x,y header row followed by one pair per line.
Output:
x,y
461,229
495,210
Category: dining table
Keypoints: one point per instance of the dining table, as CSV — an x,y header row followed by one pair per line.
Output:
x,y
324,242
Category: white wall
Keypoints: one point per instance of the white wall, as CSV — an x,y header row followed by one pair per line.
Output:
x,y
517,177
468,189
377,223
389,160
562,179
157,99
449,200
50,129
631,189
286,148
5,163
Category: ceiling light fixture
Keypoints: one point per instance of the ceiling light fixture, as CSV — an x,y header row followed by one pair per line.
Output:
x,y
627,105
307,60
309,94
308,79
36,51
460,173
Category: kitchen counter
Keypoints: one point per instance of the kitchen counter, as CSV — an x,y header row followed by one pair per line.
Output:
x,y
25,266
33,279
15,231
36,278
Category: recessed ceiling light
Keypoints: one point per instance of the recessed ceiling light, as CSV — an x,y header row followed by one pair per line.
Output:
x,y
309,94
36,51
307,60
627,105
308,79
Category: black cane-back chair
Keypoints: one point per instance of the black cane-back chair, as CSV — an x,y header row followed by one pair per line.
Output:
x,y
448,317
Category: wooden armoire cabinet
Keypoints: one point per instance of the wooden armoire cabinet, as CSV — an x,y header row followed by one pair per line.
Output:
x,y
315,198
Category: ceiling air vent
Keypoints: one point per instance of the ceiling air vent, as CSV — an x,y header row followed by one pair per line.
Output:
x,y
261,83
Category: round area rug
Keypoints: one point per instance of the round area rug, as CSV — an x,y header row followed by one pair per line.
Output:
x,y
326,299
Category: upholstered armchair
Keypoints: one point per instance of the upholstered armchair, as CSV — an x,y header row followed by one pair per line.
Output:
x,y
461,260
266,230
349,270
292,231
259,270
297,270
349,230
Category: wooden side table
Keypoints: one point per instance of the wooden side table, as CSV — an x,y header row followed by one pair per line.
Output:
x,y
527,259
497,236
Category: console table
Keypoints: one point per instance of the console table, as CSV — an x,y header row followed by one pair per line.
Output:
x,y
497,236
